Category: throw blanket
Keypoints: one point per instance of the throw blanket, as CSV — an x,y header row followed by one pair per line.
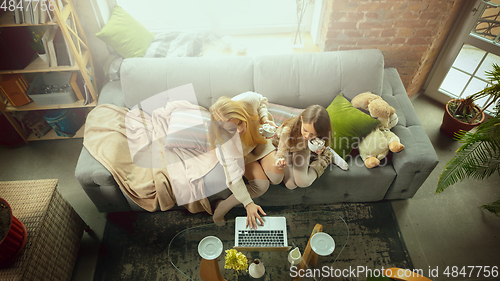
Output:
x,y
129,144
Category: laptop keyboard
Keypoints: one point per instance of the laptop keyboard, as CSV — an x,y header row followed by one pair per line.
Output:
x,y
261,238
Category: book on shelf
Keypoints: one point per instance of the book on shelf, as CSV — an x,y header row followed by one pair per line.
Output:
x,y
21,4
88,96
14,87
18,14
49,40
28,11
62,49
35,10
44,15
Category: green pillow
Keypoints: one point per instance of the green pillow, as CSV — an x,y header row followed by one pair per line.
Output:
x,y
349,125
126,35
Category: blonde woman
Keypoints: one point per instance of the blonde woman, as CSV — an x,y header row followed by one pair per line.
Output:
x,y
243,151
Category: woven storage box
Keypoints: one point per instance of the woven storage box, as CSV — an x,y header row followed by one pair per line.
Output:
x,y
54,231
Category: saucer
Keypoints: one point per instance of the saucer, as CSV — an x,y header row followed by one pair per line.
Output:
x,y
210,247
322,244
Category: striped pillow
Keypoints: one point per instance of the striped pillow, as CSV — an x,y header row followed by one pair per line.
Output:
x,y
281,113
188,128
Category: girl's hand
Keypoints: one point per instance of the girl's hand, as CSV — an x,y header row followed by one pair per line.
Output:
x,y
320,151
272,123
253,215
280,162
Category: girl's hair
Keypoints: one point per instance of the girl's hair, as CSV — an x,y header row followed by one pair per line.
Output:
x,y
225,109
315,115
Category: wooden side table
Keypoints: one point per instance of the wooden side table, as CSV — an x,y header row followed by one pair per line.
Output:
x,y
54,231
309,256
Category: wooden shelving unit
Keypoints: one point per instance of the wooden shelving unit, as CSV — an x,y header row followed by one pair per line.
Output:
x,y
66,19
38,65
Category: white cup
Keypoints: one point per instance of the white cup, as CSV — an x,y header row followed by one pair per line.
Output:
x,y
227,41
294,257
315,144
240,48
267,130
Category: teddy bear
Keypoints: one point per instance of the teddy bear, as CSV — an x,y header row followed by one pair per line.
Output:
x,y
376,145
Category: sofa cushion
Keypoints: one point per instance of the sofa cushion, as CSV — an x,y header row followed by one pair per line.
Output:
x,y
126,35
188,128
301,80
211,78
349,125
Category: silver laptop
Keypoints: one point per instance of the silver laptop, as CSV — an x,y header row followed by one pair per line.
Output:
x,y
271,236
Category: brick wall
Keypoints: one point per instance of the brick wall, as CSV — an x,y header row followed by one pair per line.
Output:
x,y
410,33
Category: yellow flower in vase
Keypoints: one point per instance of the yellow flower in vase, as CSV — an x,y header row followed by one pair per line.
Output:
x,y
236,261
37,43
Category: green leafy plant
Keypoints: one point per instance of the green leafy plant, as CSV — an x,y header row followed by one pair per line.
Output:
x,y
466,111
477,158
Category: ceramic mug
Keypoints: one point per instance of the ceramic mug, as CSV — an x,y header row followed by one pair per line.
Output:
x,y
315,144
267,130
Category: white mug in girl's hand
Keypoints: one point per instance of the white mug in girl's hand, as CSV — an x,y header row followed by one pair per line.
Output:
x,y
267,130
315,144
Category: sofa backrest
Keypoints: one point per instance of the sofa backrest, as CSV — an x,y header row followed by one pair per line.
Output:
x,y
297,80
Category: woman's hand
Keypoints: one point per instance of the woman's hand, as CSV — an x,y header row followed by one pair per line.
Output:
x,y
253,215
280,162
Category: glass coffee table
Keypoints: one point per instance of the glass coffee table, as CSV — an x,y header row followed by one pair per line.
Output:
x,y
184,256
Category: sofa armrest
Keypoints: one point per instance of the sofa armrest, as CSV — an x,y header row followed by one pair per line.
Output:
x,y
112,93
100,185
417,160
413,164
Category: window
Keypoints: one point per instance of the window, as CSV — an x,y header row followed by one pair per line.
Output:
x,y
471,51
228,17
467,74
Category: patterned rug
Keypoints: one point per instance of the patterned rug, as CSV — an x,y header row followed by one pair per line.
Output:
x,y
135,244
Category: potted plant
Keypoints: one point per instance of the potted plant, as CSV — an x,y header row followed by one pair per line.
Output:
x,y
478,157
464,114
37,44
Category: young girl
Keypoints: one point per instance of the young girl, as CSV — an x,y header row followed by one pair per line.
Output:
x,y
251,156
292,138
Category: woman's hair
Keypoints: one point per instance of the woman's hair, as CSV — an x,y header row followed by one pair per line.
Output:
x,y
315,115
225,109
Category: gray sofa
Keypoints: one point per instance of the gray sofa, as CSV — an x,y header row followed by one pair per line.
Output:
x,y
297,80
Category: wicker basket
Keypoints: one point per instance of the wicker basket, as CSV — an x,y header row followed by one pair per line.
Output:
x,y
54,231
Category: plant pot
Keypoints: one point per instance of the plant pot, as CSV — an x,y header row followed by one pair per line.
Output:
x,y
451,125
13,234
